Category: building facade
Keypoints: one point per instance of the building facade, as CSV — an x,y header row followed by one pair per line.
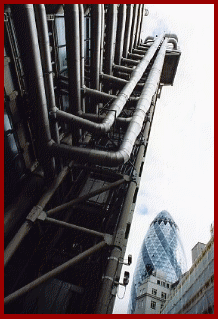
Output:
x,y
161,250
152,293
194,293
80,90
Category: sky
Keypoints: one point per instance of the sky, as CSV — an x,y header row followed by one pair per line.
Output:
x,y
178,173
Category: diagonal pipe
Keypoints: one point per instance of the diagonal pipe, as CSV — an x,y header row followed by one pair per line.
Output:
x,y
118,105
121,156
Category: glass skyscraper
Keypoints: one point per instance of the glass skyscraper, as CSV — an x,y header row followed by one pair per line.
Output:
x,y
161,250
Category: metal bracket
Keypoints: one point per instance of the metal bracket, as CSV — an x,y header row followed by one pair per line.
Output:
x,y
108,239
113,258
34,214
42,216
107,277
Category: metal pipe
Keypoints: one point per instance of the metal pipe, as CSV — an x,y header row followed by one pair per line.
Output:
x,y
120,33
72,34
137,25
113,270
137,51
130,61
23,14
24,229
123,96
78,200
82,57
123,154
127,30
95,45
111,29
133,30
135,56
148,38
41,23
174,42
71,226
141,23
102,37
123,68
56,271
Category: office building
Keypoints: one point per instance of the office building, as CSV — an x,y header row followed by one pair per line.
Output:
x,y
194,293
161,250
80,90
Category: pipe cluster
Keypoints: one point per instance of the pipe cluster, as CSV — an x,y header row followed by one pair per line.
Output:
x,y
108,52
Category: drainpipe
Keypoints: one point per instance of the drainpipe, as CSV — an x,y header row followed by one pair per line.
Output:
x,y
82,58
127,30
23,14
72,33
114,159
137,26
111,29
118,105
120,33
133,30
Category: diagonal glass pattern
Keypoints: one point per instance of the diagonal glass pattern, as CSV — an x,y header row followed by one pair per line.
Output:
x,y
161,250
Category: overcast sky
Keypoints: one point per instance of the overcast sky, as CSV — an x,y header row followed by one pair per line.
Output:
x,y
178,170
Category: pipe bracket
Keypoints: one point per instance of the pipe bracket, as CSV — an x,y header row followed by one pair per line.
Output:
x,y
34,213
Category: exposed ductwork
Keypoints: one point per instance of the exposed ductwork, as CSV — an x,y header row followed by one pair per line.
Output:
x,y
127,30
120,33
119,103
123,154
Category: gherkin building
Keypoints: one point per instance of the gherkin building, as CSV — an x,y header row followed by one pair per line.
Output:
x,y
161,250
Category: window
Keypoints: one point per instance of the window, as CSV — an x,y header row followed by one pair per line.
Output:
x,y
163,283
161,306
168,286
163,295
153,304
158,282
154,291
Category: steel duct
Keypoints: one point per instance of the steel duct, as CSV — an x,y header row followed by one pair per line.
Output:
x,y
138,25
119,103
41,23
111,38
31,60
141,23
133,30
96,16
127,30
120,33
82,57
121,156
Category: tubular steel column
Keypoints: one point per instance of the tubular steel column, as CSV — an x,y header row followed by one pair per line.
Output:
x,y
141,23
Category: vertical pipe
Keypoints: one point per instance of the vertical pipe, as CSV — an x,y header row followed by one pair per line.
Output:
x,y
72,32
111,27
95,45
138,25
82,61
120,33
133,29
23,15
41,23
127,30
141,23
102,37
